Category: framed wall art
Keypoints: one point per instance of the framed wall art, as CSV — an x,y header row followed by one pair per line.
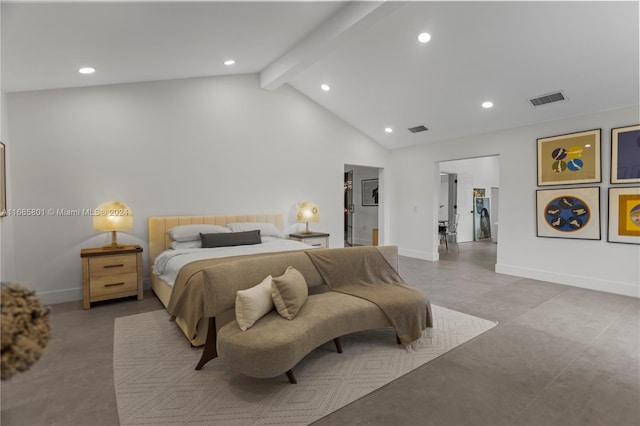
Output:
x,y
625,154
569,159
568,213
479,192
624,215
481,218
370,192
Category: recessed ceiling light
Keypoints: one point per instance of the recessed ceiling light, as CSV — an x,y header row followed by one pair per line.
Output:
x,y
325,87
229,62
388,129
424,37
87,70
487,104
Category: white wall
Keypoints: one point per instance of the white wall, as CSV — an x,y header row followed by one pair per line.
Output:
x,y
196,146
591,264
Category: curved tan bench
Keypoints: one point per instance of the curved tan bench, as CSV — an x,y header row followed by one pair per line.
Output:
x,y
274,345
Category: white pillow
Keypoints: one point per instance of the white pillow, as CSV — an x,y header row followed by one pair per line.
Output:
x,y
266,229
253,303
192,232
176,245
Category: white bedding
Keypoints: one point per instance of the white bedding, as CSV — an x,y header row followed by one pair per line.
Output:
x,y
169,262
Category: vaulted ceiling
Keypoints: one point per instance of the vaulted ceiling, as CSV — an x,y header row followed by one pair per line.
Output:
x,y
380,75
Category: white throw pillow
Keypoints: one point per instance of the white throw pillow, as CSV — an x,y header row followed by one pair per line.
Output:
x,y
266,229
253,303
177,245
192,232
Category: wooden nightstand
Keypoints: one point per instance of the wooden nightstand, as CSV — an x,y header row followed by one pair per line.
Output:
x,y
111,273
316,239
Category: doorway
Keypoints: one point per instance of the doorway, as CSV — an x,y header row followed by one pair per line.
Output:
x,y
362,200
349,208
448,207
475,178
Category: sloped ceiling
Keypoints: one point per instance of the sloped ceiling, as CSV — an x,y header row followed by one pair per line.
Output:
x,y
367,52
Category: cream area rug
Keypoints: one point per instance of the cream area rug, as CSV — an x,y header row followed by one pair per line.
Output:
x,y
156,384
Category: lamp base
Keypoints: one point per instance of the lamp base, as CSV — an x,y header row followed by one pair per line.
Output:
x,y
306,231
114,243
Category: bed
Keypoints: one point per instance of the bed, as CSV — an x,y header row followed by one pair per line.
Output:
x,y
176,268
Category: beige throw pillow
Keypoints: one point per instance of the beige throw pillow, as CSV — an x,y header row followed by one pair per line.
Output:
x,y
253,303
289,292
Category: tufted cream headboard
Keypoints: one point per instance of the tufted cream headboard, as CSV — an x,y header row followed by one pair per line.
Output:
x,y
158,227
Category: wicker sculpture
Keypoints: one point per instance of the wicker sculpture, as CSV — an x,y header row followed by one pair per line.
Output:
x,y
25,329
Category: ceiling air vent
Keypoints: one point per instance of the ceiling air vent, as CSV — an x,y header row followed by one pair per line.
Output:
x,y
547,99
418,129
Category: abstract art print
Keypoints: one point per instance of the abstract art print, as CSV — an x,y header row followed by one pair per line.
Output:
x,y
479,192
569,159
568,213
370,192
624,215
625,154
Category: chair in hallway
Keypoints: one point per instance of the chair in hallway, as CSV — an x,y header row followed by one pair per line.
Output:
x,y
451,229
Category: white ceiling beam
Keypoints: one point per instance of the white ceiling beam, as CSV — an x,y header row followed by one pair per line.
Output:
x,y
350,21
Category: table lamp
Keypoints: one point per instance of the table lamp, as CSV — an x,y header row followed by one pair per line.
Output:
x,y
113,216
308,212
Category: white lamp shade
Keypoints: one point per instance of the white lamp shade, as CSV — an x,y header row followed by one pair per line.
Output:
x,y
113,216
308,212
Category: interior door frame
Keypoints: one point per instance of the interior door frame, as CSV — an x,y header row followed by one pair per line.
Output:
x,y
349,208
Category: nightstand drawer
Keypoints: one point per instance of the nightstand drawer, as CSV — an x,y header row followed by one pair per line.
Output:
x,y
316,241
113,284
105,266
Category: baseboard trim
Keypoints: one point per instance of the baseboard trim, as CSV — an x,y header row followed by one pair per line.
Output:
x,y
624,289
70,294
59,296
416,254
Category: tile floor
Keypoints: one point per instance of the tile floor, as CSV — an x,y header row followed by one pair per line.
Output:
x,y
560,356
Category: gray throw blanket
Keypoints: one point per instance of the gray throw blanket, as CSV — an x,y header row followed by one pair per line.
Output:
x,y
363,272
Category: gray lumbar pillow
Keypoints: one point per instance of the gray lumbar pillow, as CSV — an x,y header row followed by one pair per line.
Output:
x,y
231,239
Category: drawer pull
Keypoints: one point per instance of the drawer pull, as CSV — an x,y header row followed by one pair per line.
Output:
x,y
113,285
119,265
